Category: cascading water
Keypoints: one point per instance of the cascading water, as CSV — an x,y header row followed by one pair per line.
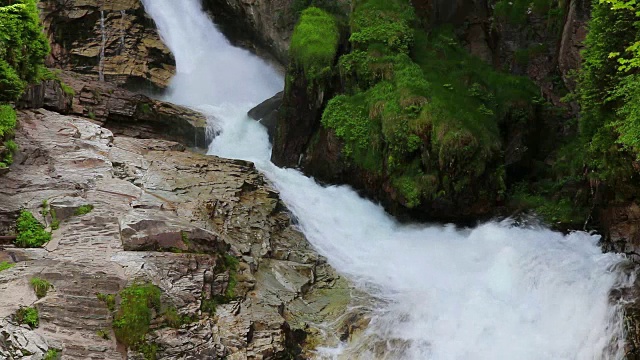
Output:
x,y
493,292
123,30
103,44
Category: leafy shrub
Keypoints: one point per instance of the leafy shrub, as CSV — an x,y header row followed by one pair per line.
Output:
x,y
132,320
7,119
23,47
40,286
31,232
28,316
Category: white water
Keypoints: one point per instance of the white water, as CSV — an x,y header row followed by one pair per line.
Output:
x,y
103,45
494,292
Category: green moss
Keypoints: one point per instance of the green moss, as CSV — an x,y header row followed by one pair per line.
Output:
x,y
28,316
5,265
83,210
52,354
132,320
314,43
31,232
40,286
420,110
144,108
555,208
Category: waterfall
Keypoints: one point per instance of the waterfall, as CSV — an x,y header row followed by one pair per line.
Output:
x,y
103,44
493,292
123,30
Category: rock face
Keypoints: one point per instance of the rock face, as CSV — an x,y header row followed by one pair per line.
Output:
x,y
164,215
114,39
267,113
263,26
120,110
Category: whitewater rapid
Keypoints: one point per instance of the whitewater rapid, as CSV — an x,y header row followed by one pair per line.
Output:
x,y
489,293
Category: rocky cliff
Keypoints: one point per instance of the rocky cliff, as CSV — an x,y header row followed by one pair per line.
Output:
x,y
160,215
112,40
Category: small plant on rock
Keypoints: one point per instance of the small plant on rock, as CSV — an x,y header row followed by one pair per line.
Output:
x,y
31,232
84,209
40,286
5,265
108,299
52,354
28,316
103,334
133,318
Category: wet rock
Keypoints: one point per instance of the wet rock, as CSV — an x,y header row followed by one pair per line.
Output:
x,y
267,113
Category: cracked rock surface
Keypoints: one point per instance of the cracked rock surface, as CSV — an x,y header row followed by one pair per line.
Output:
x,y
164,215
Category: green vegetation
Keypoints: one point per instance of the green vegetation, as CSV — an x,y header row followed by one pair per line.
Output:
x,y
28,316
7,124
228,264
419,110
108,299
40,286
174,319
5,265
55,223
516,11
52,354
7,120
609,95
67,89
23,47
103,334
144,108
31,233
314,43
131,321
554,208
82,210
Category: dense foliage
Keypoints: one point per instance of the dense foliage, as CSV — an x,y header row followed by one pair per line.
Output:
x,y
23,47
419,110
609,95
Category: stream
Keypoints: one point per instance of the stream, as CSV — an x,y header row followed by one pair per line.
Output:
x,y
496,291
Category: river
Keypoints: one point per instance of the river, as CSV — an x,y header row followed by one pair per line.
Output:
x,y
493,292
